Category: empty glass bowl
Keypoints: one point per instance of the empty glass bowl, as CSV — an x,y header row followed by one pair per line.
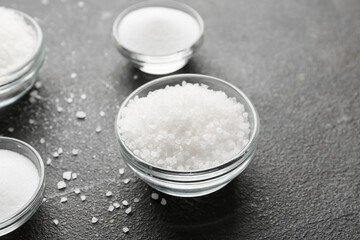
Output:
x,y
15,83
14,221
200,182
158,64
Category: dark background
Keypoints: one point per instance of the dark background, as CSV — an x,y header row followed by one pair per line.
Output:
x,y
298,61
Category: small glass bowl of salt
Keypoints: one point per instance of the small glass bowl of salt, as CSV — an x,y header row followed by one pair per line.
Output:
x,y
21,54
158,36
187,135
22,183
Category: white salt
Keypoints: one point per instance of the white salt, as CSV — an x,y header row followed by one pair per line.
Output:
x,y
61,185
109,194
67,175
98,129
126,180
75,152
155,196
42,140
121,171
111,208
185,127
80,115
63,199
158,31
116,204
74,176
125,203
19,179
56,222
18,41
125,229
128,210
94,220
163,201
83,197
77,190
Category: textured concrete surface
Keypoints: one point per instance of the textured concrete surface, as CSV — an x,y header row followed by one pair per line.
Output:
x,y
299,62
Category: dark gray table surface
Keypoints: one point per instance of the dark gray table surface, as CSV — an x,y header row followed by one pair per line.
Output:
x,y
298,61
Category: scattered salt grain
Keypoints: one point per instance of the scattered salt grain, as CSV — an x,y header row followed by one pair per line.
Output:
x,y
67,175
98,129
56,222
136,200
116,204
102,113
45,2
155,196
135,77
126,180
59,109
31,121
94,220
74,176
80,115
121,171
109,194
125,229
48,161
73,75
125,203
77,190
10,129
111,208
185,127
42,140
55,154
83,197
38,85
83,96
69,100
60,151
63,199
128,210
61,185
75,152
163,201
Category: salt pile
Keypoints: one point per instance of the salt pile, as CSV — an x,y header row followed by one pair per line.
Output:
x,y
18,40
184,127
158,31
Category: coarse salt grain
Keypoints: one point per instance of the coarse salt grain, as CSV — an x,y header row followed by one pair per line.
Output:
x,y
125,203
121,171
184,127
75,152
98,129
80,115
158,31
94,220
56,222
63,199
125,229
109,194
19,180
126,180
155,196
111,208
48,161
128,210
77,190
136,200
10,129
42,140
18,41
102,113
67,175
61,185
74,176
163,201
83,197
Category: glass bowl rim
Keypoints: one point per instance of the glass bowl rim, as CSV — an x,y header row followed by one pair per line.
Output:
x,y
14,217
39,43
158,3
252,141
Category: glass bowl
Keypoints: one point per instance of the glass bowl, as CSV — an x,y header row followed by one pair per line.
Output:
x,y
14,221
199,182
159,64
15,83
